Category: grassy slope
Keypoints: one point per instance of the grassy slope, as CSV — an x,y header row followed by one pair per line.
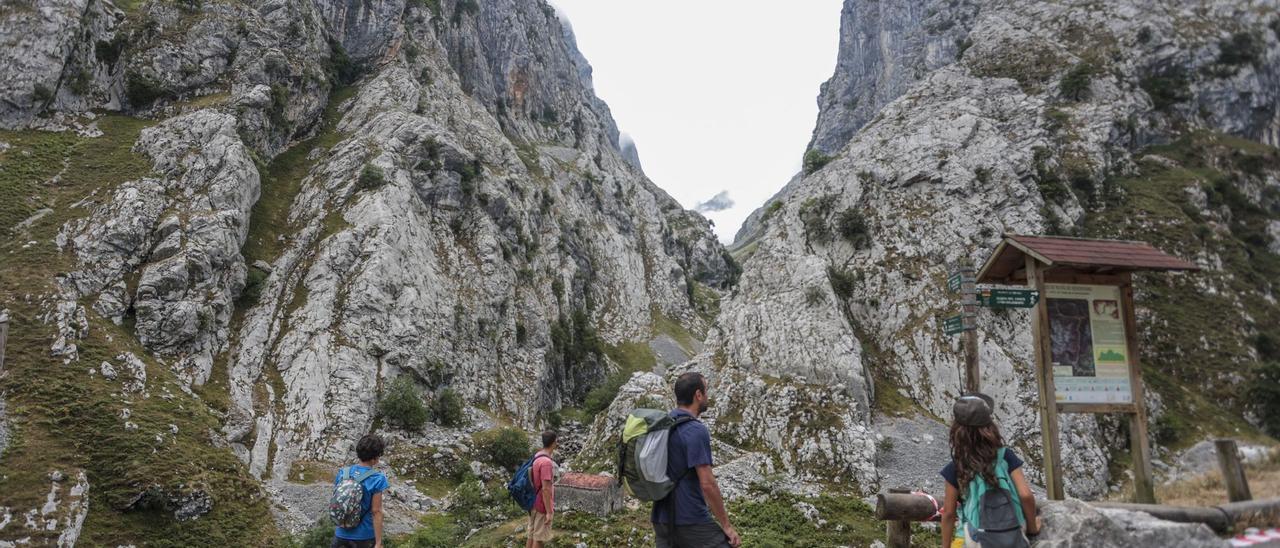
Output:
x,y
768,520
1196,347
65,419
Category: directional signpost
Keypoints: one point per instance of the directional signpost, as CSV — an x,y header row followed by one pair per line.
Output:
x,y
962,281
1008,298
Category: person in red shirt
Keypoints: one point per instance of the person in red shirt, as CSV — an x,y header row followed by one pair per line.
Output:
x,y
544,506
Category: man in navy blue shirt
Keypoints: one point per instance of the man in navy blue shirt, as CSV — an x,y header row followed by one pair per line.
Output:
x,y
700,517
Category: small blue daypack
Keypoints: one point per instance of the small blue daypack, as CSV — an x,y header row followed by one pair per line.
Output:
x,y
521,487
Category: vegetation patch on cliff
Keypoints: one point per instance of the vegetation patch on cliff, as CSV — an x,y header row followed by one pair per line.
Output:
x,y
142,451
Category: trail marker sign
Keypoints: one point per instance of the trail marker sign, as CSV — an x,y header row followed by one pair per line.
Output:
x,y
954,281
1008,298
953,325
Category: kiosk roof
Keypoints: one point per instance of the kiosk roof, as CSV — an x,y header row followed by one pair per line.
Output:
x,y
1006,263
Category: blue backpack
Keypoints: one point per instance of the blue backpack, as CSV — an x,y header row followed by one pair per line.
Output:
x,y
521,487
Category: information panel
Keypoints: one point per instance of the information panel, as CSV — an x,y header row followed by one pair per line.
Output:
x,y
1088,346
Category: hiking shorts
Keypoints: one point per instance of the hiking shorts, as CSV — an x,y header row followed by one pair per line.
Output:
x,y
344,543
539,527
702,535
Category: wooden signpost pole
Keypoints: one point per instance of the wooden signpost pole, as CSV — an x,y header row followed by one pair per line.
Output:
x,y
1048,402
1139,446
4,334
969,308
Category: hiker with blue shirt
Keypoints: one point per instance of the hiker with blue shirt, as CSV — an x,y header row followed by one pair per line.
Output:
x,y
359,526
986,488
700,519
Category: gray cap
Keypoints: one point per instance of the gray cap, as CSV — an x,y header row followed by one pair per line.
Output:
x,y
974,409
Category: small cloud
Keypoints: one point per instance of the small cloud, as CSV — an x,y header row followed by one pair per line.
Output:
x,y
719,202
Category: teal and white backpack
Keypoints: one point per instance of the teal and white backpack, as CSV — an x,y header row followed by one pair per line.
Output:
x,y
993,515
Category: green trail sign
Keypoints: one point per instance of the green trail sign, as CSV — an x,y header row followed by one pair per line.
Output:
x,y
954,281
953,325
1008,298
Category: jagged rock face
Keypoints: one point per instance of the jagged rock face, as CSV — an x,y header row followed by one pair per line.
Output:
x,y
471,221
490,225
181,234
885,47
837,315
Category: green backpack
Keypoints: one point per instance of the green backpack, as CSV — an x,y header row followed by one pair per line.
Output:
x,y
642,454
993,516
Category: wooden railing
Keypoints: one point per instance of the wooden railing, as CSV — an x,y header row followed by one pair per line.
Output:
x,y
900,507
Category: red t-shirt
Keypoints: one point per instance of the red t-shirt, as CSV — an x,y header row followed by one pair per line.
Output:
x,y
542,470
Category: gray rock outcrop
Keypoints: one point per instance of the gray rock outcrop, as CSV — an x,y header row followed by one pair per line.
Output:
x,y
837,314
1072,523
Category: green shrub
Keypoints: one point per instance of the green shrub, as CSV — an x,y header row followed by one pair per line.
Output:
x,y
468,7
815,215
318,536
1264,392
433,5
852,226
504,447
1242,48
1268,347
522,334
108,52
279,103
1075,85
80,82
447,408
401,405
252,287
371,177
813,296
342,70
142,90
41,93
843,281
1166,89
599,398
814,160
435,531
651,402
771,210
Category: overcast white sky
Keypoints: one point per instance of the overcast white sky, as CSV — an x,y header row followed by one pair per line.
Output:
x,y
719,95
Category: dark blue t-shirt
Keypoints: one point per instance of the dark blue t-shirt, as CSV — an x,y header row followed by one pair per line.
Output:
x,y
949,471
689,447
375,483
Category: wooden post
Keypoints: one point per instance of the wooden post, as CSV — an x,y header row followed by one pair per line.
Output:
x,y
969,310
898,533
4,334
1232,471
1048,400
1139,446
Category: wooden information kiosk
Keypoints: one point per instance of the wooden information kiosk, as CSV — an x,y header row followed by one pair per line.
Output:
x,y
1084,334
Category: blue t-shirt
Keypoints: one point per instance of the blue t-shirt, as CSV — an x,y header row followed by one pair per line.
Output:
x,y
689,447
375,483
949,471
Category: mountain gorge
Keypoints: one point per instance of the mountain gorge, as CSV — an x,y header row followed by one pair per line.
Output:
x,y
234,228
320,198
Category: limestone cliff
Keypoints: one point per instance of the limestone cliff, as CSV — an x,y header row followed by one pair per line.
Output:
x,y
1119,119
328,196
